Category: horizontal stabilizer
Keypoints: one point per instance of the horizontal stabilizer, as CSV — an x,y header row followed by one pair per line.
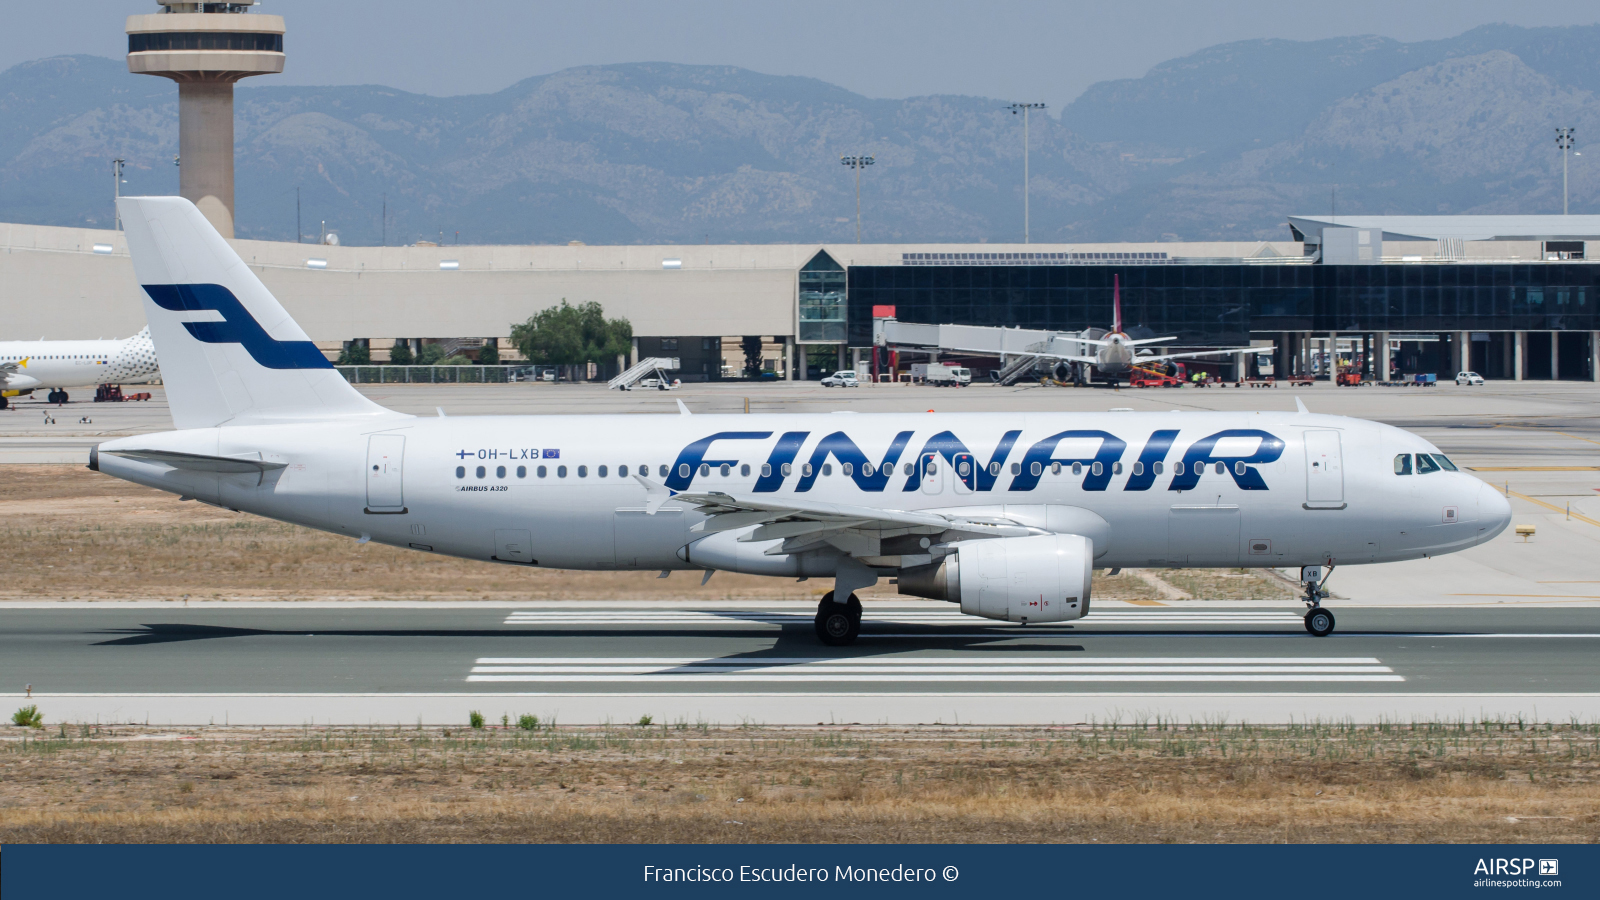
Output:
x,y
199,462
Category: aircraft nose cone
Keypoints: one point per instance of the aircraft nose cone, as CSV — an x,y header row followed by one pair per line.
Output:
x,y
1494,511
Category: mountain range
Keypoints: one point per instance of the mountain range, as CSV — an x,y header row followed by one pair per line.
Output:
x,y
1218,145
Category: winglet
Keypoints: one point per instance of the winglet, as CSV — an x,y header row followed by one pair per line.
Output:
x,y
682,410
655,494
1300,405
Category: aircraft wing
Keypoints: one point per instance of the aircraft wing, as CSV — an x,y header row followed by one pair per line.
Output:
x,y
1151,359
804,523
13,376
1066,356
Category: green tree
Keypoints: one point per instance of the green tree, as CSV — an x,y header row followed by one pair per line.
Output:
x,y
751,345
568,335
401,354
429,355
489,355
355,353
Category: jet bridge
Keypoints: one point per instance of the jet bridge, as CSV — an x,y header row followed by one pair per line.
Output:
x,y
1016,347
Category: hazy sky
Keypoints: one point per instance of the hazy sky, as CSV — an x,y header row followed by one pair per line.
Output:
x,y
893,48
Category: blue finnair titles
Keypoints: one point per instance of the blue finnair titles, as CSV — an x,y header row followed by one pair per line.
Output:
x,y
1006,514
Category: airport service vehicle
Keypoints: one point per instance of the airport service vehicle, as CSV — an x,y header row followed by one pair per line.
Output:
x,y
1468,378
842,378
941,375
1007,514
27,366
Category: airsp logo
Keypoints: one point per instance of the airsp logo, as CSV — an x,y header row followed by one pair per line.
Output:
x,y
1501,866
237,326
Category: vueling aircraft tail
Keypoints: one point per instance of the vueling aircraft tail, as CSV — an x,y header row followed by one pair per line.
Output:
x,y
229,352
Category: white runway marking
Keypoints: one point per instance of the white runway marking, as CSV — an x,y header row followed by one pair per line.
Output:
x,y
677,670
871,617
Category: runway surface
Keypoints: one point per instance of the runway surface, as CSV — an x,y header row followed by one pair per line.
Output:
x,y
914,663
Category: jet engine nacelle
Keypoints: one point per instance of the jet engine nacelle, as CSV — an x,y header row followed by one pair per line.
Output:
x,y
1041,578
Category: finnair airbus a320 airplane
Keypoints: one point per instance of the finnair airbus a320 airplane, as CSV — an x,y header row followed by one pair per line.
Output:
x,y
1007,514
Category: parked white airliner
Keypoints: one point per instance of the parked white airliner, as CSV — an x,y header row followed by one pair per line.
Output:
x,y
1007,514
26,366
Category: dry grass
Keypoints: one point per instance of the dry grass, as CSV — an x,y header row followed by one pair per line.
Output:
x,y
77,534
1494,782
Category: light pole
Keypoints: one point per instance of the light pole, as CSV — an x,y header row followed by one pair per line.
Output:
x,y
1025,107
857,163
116,190
1564,143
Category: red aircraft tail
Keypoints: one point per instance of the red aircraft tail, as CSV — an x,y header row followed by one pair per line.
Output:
x,y
1116,304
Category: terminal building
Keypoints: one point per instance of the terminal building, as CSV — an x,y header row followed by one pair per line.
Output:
x,y
1511,297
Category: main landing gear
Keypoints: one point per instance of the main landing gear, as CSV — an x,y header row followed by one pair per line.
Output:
x,y
838,624
57,396
1319,621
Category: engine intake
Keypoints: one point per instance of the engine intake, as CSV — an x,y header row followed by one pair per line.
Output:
x,y
1042,578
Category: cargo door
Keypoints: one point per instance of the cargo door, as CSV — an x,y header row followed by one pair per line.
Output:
x,y
1203,536
385,492
644,541
514,545
1324,470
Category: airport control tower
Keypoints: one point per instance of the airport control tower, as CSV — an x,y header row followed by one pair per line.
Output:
x,y
205,48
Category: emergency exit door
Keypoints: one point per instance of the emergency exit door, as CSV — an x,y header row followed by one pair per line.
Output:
x,y
385,493
1324,470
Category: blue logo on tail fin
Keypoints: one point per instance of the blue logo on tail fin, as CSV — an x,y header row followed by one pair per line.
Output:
x,y
237,326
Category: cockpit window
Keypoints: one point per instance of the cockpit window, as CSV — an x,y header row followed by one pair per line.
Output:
x,y
1402,464
1444,463
1426,465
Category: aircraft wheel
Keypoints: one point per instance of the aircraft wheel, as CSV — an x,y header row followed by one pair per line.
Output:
x,y
1319,622
838,624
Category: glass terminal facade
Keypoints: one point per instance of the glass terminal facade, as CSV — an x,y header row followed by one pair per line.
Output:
x,y
1222,304
822,301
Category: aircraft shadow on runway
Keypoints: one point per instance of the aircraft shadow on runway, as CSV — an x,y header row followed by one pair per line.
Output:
x,y
793,641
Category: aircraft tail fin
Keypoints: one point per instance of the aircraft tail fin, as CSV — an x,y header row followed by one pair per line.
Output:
x,y
229,352
1116,304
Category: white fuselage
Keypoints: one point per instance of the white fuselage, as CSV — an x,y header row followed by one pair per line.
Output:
x,y
29,365
1293,489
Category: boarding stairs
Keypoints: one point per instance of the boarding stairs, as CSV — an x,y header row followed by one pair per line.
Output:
x,y
658,366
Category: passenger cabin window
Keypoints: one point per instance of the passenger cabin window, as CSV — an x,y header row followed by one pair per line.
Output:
x,y
1016,468
827,468
1426,465
683,470
500,471
805,470
1077,468
1156,468
846,468
622,471
910,468
1402,464
583,471
461,471
561,471
705,469
600,471
481,471
725,470
787,470
766,470
1055,468
866,469
541,471
522,471
744,469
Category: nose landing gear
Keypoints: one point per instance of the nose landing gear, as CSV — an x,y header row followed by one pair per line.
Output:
x,y
1319,621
